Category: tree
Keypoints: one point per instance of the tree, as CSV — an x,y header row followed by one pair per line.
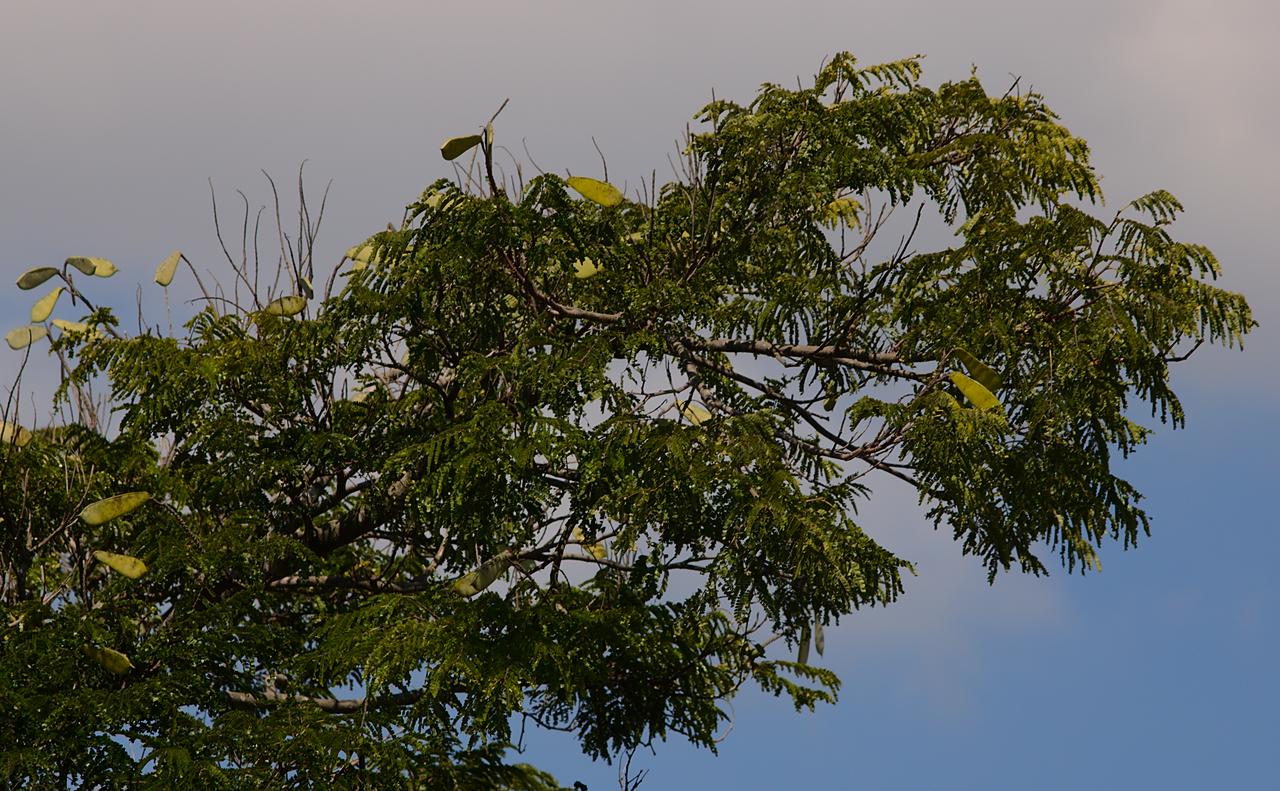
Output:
x,y
549,456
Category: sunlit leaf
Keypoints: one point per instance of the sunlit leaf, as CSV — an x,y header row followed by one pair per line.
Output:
x,y
101,266
602,192
34,277
455,147
44,306
12,432
585,268
291,305
979,370
109,658
977,394
842,210
112,507
483,576
129,566
168,267
23,337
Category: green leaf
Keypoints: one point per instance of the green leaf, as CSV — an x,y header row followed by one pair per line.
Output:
x,y
110,659
44,306
168,267
129,566
977,394
483,576
12,432
101,266
585,269
979,371
602,192
23,337
455,147
34,277
845,209
291,305
112,507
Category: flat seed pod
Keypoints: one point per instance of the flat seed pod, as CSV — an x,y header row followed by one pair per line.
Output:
x,y
455,147
70,326
34,277
695,413
12,432
44,306
976,393
979,370
362,253
586,268
291,305
101,266
483,576
819,639
802,656
129,566
22,337
602,192
168,267
85,265
109,658
597,550
112,507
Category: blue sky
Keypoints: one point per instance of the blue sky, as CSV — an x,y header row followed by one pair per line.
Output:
x,y
1158,672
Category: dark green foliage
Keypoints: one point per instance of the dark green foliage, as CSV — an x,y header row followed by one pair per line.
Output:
x,y
479,484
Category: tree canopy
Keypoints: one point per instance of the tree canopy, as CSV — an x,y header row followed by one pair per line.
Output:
x,y
557,454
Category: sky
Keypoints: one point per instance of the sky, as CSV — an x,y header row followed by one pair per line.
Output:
x,y
1158,672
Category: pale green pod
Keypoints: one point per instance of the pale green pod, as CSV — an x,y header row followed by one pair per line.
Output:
x,y
22,337
602,192
168,267
34,277
112,507
455,147
44,306
129,566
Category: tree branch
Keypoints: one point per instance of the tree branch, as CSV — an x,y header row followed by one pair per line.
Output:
x,y
271,697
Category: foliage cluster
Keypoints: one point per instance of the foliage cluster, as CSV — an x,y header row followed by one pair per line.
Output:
x,y
547,455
